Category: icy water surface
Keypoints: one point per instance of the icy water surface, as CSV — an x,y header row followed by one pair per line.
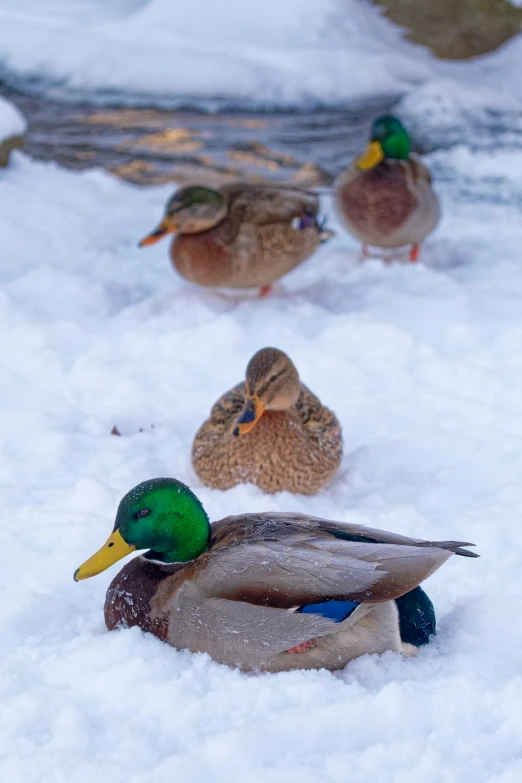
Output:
x,y
148,145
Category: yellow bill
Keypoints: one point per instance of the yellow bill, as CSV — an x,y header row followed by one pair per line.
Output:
x,y
113,550
371,157
164,228
249,416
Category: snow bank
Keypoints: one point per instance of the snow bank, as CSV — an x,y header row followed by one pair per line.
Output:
x,y
423,366
442,113
291,52
477,103
210,54
12,121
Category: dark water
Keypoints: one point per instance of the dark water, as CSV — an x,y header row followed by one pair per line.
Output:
x,y
148,145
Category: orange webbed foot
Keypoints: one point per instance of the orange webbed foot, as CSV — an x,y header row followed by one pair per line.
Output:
x,y
414,253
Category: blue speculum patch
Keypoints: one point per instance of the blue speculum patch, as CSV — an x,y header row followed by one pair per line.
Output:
x,y
416,615
307,221
333,610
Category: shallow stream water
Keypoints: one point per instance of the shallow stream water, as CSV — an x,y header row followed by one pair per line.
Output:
x,y
150,145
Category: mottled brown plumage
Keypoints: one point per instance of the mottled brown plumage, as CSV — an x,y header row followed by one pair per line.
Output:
x,y
389,206
294,445
236,600
241,235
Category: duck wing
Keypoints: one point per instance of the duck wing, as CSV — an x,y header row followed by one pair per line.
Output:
x,y
228,407
261,205
244,634
419,171
238,600
316,417
291,560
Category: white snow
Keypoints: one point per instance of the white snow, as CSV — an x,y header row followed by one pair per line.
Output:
x,y
296,52
210,54
469,101
291,52
423,366
12,121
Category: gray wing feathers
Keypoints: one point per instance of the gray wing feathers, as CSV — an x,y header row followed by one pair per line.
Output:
x,y
242,631
262,566
421,171
262,628
379,536
262,204
306,567
296,570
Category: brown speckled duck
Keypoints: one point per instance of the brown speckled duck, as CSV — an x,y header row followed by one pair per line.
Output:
x,y
266,592
269,430
240,235
385,198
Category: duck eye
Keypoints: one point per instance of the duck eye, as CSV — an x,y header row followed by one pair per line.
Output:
x,y
273,378
144,512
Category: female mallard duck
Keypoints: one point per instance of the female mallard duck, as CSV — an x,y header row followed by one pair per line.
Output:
x,y
242,235
385,198
269,430
250,590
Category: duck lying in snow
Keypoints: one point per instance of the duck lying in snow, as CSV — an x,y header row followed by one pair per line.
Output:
x,y
267,592
269,430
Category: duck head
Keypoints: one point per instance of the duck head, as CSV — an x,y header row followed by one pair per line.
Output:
x,y
161,515
272,384
388,140
191,210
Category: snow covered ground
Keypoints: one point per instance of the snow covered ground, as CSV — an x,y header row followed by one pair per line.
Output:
x,y
296,51
423,366
291,53
12,122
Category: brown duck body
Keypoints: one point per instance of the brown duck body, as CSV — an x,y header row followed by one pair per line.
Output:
x,y
256,243
388,206
236,601
298,450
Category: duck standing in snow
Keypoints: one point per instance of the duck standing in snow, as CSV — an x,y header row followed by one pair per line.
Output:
x,y
267,592
269,430
385,198
241,235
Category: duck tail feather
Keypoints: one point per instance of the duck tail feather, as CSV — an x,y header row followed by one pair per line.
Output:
x,y
457,547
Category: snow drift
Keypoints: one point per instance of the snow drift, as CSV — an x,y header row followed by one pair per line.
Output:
x,y
12,121
294,52
423,366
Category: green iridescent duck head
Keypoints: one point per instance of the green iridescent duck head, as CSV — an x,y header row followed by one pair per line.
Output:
x,y
388,140
161,515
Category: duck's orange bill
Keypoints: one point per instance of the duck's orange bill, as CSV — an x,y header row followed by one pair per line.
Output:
x,y
113,550
164,228
249,416
371,157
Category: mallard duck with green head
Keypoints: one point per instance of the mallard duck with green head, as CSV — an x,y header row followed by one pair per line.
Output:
x,y
267,592
385,198
240,235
